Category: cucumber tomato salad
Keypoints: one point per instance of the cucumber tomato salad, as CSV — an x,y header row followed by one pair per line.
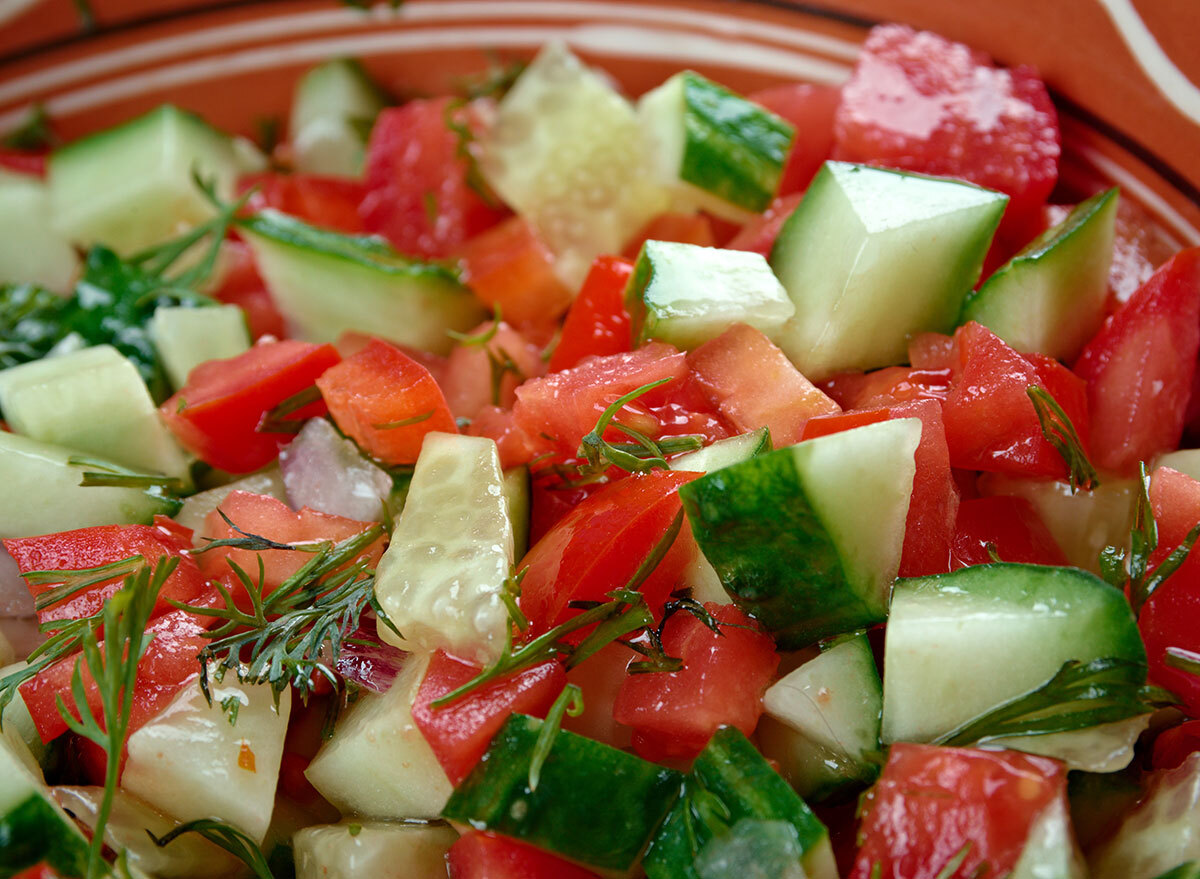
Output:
x,y
537,481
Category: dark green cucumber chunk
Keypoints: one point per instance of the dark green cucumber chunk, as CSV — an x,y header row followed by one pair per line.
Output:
x,y
738,810
593,803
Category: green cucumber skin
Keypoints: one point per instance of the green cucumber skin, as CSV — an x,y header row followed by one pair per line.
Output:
x,y
1190,870
756,526
32,832
593,803
733,770
1065,272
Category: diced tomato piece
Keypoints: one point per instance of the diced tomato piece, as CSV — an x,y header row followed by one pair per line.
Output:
x,y
991,423
241,285
753,384
600,679
566,405
379,387
329,202
41,871
218,412
102,545
271,518
1013,528
684,228
824,425
1171,616
419,185
931,803
759,234
811,109
933,351
509,268
460,732
722,682
892,384
682,408
23,162
920,102
598,323
514,445
1140,365
350,343
481,855
1138,249
169,662
550,499
469,380
597,546
1174,745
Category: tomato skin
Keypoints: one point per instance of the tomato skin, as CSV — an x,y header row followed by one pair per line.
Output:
x,y
381,385
329,202
418,196
101,545
811,110
931,801
883,387
217,413
508,267
1139,367
600,679
759,234
753,384
482,855
1174,745
991,423
920,102
1011,525
597,546
467,381
241,285
273,519
670,226
598,324
459,733
721,683
515,446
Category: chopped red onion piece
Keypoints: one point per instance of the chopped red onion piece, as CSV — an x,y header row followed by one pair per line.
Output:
x,y
374,667
15,598
327,473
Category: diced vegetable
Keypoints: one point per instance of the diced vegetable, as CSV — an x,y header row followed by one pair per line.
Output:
x,y
384,850
30,250
32,826
332,104
1008,527
598,322
187,337
491,856
328,474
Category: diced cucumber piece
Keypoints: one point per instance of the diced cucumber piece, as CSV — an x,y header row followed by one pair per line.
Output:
x,y
33,827
686,295
373,848
187,337
1050,851
723,453
593,803
188,856
327,283
378,763
190,762
31,251
827,715
41,493
1107,747
516,492
723,153
1190,870
20,730
568,153
95,401
960,644
807,538
442,577
334,105
1162,833
1050,297
731,782
1082,523
872,257
132,186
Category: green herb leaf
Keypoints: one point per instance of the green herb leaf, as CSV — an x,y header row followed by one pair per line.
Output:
x,y
481,338
33,134
1184,660
277,419
1079,695
98,472
71,582
1060,433
404,422
569,702
228,837
955,862
459,127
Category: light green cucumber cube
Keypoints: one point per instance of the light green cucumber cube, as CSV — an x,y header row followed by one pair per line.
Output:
x,y
334,104
31,251
186,337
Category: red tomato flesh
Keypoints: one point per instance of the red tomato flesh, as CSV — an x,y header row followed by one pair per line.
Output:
x,y
673,715
459,733
883,387
598,323
1175,745
329,202
1011,525
811,109
759,234
481,855
684,228
378,387
930,802
217,413
468,381
241,285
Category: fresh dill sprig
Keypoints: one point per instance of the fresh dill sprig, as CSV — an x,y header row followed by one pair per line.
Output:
x,y
1060,432
481,338
98,472
569,702
1079,695
277,419
1183,660
236,842
69,583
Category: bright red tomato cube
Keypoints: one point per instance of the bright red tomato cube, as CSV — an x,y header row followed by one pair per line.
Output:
x,y
481,855
386,402
459,733
671,226
218,412
1011,526
722,681
329,202
598,323
931,802
920,102
241,285
811,108
1139,367
1175,745
759,233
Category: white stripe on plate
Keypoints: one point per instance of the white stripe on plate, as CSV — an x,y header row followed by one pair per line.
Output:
x,y
1143,193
